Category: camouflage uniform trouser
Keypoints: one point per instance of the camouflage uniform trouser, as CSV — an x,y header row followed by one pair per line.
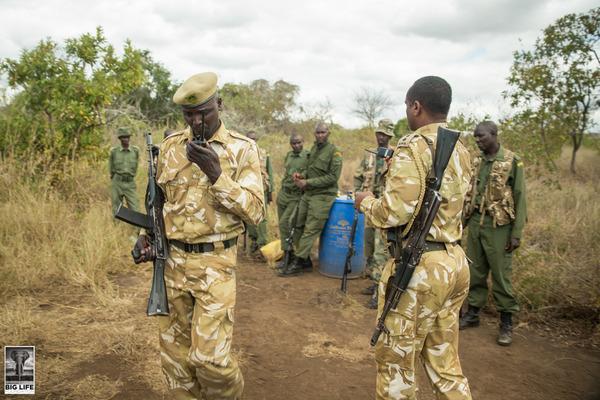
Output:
x,y
375,252
313,212
424,324
485,248
120,190
195,339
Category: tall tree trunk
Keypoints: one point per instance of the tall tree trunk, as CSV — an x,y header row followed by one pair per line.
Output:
x,y
577,139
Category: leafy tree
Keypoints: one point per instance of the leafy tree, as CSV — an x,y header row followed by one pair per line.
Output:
x,y
369,105
556,85
401,128
259,105
154,99
64,92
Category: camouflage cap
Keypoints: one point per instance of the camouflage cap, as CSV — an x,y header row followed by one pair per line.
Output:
x,y
123,132
385,126
196,90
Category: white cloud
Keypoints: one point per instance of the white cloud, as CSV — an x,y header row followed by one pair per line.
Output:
x,y
329,48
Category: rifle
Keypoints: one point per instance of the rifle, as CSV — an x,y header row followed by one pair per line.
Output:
x,y
408,257
155,226
289,240
348,263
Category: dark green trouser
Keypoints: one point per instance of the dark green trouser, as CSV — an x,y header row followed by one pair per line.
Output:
x,y
485,249
258,233
120,190
313,212
286,204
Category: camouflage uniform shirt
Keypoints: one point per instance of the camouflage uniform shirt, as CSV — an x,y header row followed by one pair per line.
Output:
x,y
196,211
405,181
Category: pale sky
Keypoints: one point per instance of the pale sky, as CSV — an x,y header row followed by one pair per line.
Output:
x,y
329,48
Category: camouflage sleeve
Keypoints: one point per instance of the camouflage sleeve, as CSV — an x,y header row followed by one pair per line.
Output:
x,y
519,198
358,176
331,178
400,196
243,196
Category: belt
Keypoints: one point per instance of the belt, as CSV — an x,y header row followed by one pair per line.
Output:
x,y
124,178
434,246
429,246
201,247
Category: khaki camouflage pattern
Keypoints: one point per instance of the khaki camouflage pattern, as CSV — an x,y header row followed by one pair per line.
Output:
x,y
425,325
406,178
196,211
496,198
364,178
425,322
195,339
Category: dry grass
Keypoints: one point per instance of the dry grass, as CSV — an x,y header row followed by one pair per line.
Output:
x,y
558,268
60,253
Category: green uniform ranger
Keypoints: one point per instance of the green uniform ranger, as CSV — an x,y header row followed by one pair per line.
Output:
x,y
123,164
370,177
289,196
258,233
320,185
495,211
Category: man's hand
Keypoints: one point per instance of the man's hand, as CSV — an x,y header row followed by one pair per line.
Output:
x,y
297,175
143,250
512,245
206,159
301,183
360,196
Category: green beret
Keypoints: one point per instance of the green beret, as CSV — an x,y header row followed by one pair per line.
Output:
x,y
123,132
196,90
385,126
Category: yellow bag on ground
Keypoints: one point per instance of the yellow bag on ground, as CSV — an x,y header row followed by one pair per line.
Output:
x,y
272,251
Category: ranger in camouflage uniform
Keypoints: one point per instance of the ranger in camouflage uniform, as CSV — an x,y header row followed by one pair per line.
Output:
x,y
496,211
258,233
369,177
123,164
288,198
424,325
210,189
320,184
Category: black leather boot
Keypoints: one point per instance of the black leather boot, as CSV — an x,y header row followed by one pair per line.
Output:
x,y
470,319
505,333
296,267
368,291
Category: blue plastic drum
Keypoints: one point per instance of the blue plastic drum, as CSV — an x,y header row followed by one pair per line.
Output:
x,y
335,239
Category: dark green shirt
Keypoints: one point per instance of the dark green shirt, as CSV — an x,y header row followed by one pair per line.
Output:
x,y
516,180
123,162
294,162
324,169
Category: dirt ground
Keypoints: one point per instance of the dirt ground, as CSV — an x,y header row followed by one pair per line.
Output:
x,y
296,338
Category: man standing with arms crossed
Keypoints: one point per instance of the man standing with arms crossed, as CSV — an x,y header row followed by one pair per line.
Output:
x,y
495,211
424,325
211,180
295,162
369,177
320,184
